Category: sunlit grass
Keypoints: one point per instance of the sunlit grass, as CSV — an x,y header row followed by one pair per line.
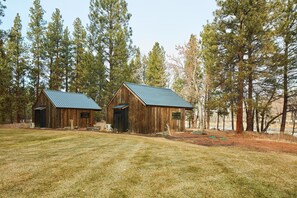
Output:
x,y
36,163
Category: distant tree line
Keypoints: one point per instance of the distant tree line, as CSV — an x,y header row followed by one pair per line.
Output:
x,y
95,59
248,59
242,63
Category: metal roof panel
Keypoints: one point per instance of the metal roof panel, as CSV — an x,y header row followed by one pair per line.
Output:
x,y
155,96
71,100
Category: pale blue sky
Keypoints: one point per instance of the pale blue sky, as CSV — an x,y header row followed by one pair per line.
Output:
x,y
169,22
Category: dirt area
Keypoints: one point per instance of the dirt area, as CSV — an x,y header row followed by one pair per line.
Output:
x,y
250,140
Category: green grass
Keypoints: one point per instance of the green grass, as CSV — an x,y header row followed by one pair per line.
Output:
x,y
37,163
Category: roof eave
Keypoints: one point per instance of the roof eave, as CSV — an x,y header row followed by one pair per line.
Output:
x,y
187,108
100,109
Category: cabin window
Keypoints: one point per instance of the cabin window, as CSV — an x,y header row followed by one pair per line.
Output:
x,y
84,115
176,115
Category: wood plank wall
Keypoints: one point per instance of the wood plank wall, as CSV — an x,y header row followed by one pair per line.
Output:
x,y
146,119
60,118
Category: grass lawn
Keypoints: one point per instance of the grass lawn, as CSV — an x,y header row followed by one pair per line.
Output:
x,y
39,163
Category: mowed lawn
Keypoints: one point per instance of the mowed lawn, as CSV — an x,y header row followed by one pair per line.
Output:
x,y
42,163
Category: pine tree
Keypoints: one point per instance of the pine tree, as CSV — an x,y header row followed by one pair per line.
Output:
x,y
17,62
2,32
155,74
54,37
35,35
286,26
109,23
2,7
95,84
6,75
137,68
241,38
210,57
5,88
66,56
79,45
96,73
243,46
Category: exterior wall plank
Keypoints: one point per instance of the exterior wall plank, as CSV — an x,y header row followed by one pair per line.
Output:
x,y
60,117
145,119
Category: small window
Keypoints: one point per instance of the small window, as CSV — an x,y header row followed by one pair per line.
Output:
x,y
84,115
176,115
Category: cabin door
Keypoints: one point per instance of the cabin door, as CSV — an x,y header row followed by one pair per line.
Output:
x,y
40,117
120,119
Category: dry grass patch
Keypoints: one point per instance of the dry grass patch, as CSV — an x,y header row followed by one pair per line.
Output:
x,y
35,163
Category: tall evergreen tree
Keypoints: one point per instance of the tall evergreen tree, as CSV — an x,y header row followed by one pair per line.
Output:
x,y
5,88
242,41
95,84
2,32
67,61
109,21
54,36
5,73
2,7
210,57
137,68
96,74
155,74
36,35
79,45
16,60
286,26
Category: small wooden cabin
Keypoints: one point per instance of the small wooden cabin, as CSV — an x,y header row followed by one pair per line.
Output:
x,y
144,109
57,109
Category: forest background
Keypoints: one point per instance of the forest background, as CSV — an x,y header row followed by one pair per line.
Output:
x,y
242,63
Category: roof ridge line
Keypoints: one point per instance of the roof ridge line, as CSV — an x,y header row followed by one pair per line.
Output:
x,y
147,86
65,92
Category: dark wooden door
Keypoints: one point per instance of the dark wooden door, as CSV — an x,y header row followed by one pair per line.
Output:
x,y
40,118
120,119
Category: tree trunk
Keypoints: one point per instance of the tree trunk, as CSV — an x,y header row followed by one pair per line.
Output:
x,y
37,85
294,121
206,110
201,117
257,114
232,115
189,122
250,122
257,120
239,114
285,105
66,80
224,122
218,120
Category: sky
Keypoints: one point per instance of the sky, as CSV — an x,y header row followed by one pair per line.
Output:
x,y
169,22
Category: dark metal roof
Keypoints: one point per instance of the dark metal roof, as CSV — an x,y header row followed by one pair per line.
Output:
x,y
71,100
155,96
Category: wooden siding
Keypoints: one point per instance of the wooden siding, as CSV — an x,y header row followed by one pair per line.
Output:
x,y
60,117
145,119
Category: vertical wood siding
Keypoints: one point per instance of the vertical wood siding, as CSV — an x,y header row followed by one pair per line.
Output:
x,y
60,117
145,119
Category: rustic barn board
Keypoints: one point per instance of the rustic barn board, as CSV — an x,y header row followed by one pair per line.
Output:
x,y
145,118
60,117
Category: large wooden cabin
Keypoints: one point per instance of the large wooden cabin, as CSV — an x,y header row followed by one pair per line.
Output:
x,y
144,109
57,109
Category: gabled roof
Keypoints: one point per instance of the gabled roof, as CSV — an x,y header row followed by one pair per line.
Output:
x,y
155,96
71,100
